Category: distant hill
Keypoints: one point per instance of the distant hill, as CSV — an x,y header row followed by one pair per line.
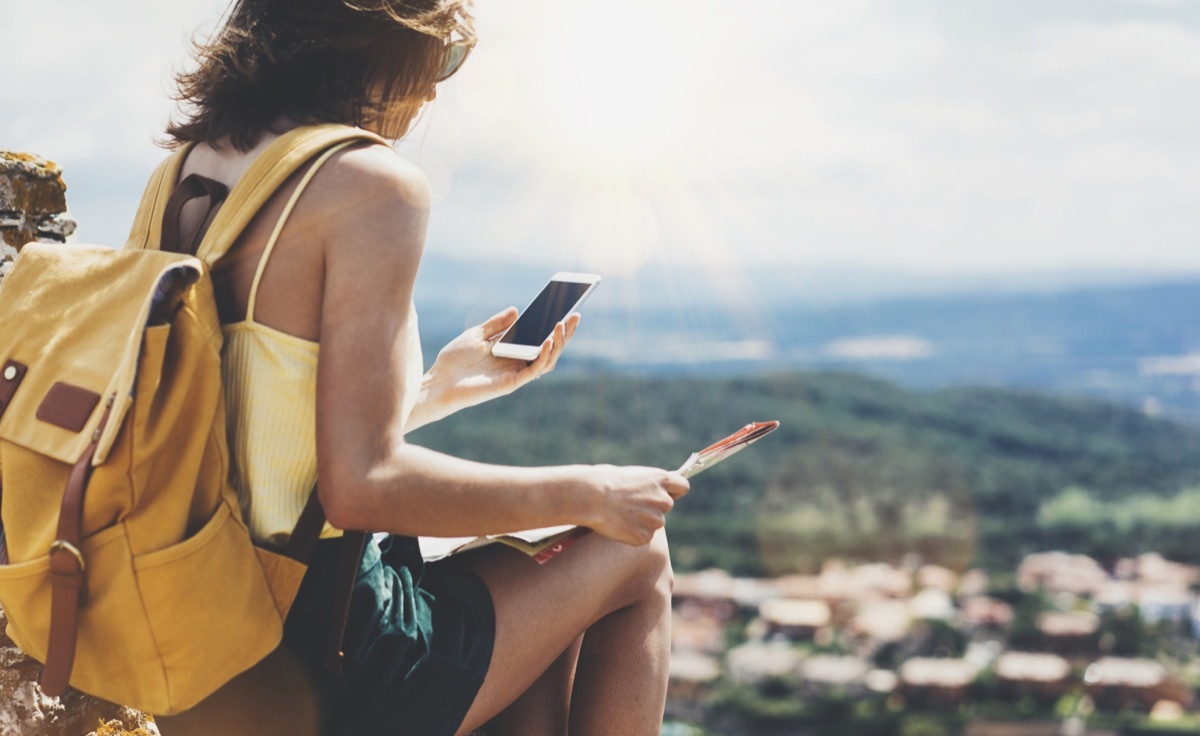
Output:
x,y
1130,337
861,467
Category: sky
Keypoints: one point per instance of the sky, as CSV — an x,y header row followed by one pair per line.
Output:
x,y
924,136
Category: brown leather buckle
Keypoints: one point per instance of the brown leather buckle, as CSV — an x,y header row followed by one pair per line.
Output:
x,y
61,545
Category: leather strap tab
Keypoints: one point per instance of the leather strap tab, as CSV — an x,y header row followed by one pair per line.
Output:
x,y
353,544
67,565
300,547
192,187
303,542
66,598
68,406
10,378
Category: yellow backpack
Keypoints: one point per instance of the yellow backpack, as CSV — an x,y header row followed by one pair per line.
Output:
x,y
125,564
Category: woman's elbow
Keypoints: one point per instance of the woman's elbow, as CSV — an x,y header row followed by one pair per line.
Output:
x,y
355,493
343,495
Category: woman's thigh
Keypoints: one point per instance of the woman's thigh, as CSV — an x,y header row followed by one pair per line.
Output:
x,y
542,609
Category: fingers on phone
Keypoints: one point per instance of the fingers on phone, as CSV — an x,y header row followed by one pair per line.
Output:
x,y
498,323
540,364
570,324
551,348
555,349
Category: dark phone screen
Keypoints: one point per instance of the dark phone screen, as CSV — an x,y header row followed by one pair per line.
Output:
x,y
549,308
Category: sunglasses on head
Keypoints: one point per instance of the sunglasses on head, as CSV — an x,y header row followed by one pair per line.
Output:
x,y
453,56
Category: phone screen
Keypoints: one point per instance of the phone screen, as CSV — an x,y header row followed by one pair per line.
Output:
x,y
548,309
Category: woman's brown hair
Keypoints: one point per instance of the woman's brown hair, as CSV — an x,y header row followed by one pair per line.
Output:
x,y
312,61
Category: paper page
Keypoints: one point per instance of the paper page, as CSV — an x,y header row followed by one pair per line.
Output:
x,y
528,541
722,449
435,548
533,536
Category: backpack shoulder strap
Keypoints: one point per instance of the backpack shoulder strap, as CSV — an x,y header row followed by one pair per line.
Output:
x,y
266,174
147,222
283,218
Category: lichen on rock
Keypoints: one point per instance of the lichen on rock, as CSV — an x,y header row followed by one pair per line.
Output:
x,y
116,728
26,711
7,254
33,200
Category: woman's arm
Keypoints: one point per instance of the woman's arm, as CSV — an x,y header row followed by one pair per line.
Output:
x,y
369,478
466,373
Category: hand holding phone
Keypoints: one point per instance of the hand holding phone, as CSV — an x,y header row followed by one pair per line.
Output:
x,y
561,296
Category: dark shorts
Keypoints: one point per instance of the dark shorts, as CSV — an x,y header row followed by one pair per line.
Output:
x,y
417,644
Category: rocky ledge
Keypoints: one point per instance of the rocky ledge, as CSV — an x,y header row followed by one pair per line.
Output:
x,y
33,204
26,711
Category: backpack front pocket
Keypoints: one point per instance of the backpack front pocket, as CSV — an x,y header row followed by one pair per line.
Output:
x,y
114,644
210,609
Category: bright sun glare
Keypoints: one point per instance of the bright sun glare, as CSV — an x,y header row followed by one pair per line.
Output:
x,y
606,115
608,107
616,97
617,85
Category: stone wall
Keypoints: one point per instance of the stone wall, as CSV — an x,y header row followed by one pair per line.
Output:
x,y
33,206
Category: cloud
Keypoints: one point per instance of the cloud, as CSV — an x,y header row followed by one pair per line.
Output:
x,y
1161,3
689,351
1170,365
865,134
932,136
94,75
88,88
880,347
1107,61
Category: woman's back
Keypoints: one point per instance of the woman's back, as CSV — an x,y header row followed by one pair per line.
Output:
x,y
285,297
270,367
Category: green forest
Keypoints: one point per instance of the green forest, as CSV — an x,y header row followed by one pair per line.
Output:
x,y
864,469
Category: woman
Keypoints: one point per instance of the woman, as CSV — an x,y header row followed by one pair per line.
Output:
x,y
327,324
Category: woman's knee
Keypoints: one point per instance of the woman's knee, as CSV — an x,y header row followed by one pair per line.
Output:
x,y
661,551
650,574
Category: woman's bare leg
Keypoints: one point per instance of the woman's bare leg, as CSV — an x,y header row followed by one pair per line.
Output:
x,y
545,708
633,639
541,610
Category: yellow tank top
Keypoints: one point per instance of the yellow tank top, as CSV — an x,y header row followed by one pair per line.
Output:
x,y
270,382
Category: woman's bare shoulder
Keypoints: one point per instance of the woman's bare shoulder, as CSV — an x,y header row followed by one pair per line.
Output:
x,y
372,176
370,206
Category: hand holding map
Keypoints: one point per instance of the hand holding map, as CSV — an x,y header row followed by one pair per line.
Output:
x,y
543,544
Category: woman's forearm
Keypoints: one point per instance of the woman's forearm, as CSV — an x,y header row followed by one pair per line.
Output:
x,y
417,491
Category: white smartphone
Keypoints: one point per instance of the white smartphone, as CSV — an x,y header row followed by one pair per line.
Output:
x,y
561,296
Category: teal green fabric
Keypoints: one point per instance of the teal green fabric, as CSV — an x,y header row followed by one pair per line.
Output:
x,y
418,641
